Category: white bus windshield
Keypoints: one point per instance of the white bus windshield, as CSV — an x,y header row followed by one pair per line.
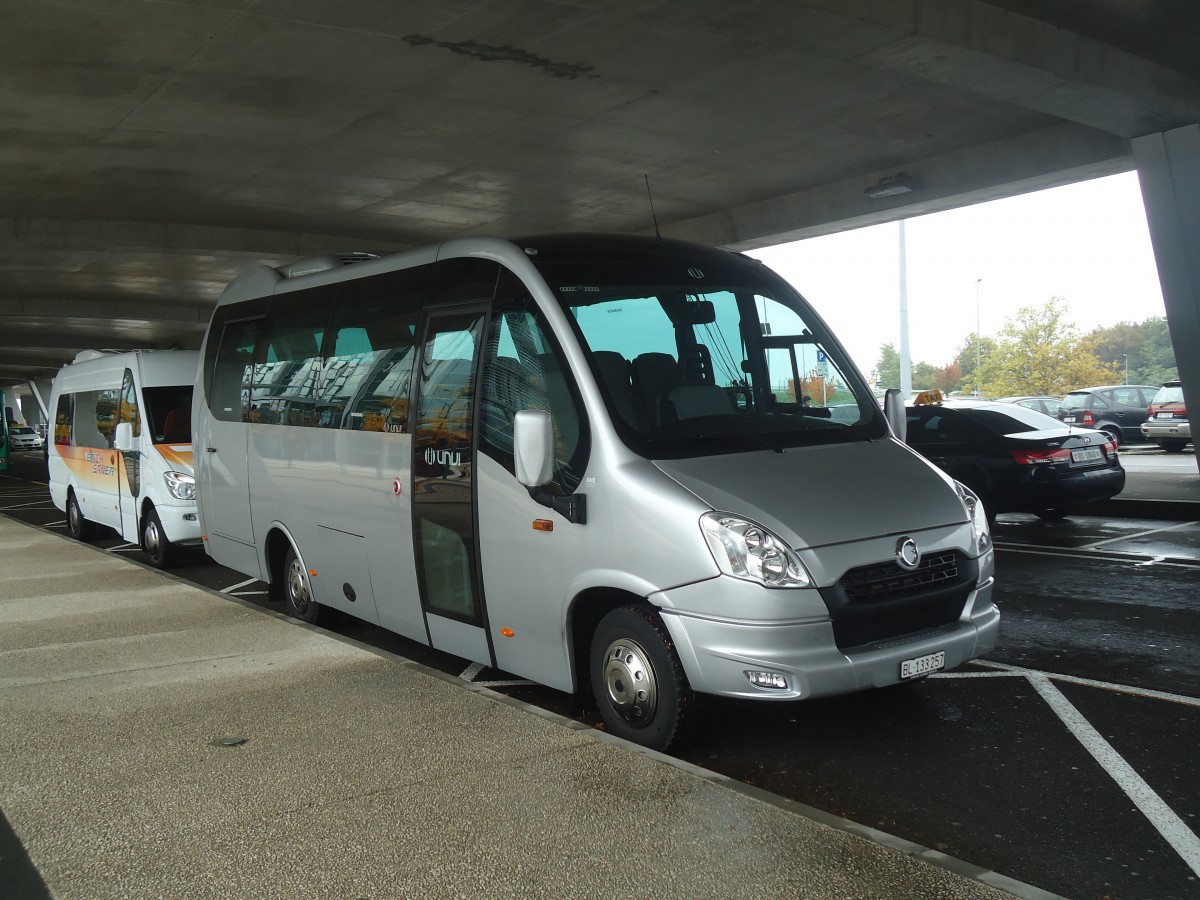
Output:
x,y
721,369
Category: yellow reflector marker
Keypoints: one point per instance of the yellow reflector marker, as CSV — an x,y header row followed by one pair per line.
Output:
x,y
312,572
508,632
543,525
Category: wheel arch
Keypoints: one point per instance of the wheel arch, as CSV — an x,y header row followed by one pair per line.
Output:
x,y
275,549
586,610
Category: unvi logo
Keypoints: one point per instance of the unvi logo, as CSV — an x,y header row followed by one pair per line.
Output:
x,y
443,457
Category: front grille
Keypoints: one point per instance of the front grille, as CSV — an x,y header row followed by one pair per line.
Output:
x,y
883,581
880,601
856,632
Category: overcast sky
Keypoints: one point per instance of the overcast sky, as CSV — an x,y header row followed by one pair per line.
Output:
x,y
1087,243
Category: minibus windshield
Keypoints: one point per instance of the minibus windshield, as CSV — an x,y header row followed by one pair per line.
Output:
x,y
689,370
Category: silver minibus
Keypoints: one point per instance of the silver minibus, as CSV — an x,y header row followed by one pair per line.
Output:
x,y
637,466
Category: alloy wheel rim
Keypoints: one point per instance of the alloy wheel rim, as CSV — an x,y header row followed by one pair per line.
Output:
x,y
296,587
629,682
151,538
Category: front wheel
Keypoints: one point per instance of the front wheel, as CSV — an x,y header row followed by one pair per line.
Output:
x,y
79,527
638,681
296,597
155,542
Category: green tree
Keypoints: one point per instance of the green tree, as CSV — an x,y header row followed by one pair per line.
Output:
x,y
887,367
1151,356
1040,352
974,350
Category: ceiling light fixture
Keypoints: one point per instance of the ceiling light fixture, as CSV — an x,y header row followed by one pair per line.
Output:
x,y
890,186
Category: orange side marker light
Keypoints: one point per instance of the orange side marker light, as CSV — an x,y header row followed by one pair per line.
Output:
x,y
508,632
543,524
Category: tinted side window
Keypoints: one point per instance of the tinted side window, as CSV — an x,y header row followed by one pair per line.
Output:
x,y
64,414
233,368
1127,396
288,363
130,411
522,369
367,375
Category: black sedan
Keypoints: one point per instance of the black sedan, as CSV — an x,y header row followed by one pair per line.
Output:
x,y
1017,459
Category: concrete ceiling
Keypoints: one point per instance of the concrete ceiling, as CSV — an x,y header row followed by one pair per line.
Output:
x,y
151,150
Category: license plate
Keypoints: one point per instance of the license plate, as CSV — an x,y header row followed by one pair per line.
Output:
x,y
1070,420
1166,415
1091,454
923,665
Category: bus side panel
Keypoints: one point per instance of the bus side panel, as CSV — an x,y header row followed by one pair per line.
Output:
x,y
526,574
344,497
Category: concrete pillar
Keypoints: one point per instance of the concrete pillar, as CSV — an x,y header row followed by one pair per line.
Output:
x,y
1168,166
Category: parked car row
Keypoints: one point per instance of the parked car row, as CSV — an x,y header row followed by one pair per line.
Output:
x,y
1125,413
1167,419
1014,458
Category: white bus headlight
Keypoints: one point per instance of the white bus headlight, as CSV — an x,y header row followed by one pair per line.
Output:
x,y
979,522
181,485
748,551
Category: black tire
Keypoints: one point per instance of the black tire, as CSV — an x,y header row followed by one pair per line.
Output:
x,y
1112,432
79,527
154,541
1053,514
297,599
1172,446
638,681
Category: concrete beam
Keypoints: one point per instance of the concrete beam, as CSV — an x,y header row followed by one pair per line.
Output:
x,y
1014,59
1060,155
99,234
140,310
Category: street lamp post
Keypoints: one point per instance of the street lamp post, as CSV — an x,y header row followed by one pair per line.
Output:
x,y
978,349
1126,355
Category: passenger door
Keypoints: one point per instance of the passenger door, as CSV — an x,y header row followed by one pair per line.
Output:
x,y
221,461
444,514
130,462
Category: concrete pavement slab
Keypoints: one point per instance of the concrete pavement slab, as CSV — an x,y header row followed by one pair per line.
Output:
x,y
159,740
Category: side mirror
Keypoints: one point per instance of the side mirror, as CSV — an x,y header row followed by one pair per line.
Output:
x,y
123,440
533,447
893,411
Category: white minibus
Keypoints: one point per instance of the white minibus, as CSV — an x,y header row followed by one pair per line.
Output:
x,y
590,461
122,447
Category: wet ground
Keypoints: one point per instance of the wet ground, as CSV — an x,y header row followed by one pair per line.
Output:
x,y
1065,760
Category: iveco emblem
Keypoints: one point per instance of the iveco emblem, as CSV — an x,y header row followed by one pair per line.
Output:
x,y
695,273
908,554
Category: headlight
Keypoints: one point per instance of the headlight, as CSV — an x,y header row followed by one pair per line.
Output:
x,y
979,522
749,551
181,485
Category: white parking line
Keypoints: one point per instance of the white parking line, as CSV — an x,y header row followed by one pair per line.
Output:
x,y
123,548
1127,556
1129,537
240,584
1173,829
42,503
1005,669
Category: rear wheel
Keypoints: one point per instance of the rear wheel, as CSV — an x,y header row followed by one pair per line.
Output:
x,y
637,679
1054,513
1172,446
154,541
296,597
79,527
1112,433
